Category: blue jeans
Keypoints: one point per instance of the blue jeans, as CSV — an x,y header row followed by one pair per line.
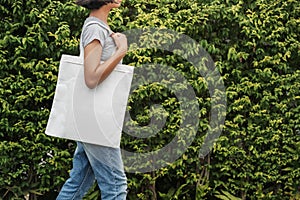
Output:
x,y
92,162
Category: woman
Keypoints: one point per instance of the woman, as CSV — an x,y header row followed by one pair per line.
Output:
x,y
95,162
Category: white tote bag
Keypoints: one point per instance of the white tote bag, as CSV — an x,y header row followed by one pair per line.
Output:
x,y
89,115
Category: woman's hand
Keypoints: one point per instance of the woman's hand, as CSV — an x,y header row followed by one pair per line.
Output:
x,y
121,42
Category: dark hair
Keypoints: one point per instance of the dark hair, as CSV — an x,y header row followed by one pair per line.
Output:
x,y
93,4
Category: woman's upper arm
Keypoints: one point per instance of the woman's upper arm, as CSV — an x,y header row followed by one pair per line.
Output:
x,y
92,56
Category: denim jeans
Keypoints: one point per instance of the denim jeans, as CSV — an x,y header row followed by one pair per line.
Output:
x,y
92,162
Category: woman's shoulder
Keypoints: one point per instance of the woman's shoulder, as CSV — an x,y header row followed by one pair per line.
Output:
x,y
94,24
94,29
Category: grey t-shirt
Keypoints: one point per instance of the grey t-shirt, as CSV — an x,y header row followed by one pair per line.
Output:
x,y
102,33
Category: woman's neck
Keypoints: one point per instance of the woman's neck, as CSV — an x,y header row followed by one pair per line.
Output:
x,y
101,14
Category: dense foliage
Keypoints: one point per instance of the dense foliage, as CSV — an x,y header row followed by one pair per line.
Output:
x,y
255,46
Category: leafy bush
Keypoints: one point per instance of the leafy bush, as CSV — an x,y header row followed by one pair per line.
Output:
x,y
34,35
255,46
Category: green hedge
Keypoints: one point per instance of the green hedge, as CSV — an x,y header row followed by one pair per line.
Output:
x,y
256,48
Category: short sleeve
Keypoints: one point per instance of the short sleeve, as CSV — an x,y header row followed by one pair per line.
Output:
x,y
93,32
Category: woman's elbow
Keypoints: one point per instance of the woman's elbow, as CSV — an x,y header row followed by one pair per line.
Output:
x,y
92,81
91,84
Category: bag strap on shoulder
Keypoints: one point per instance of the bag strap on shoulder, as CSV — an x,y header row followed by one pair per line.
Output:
x,y
84,26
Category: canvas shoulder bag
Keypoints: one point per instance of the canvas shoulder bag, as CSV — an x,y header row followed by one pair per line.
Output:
x,y
89,115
